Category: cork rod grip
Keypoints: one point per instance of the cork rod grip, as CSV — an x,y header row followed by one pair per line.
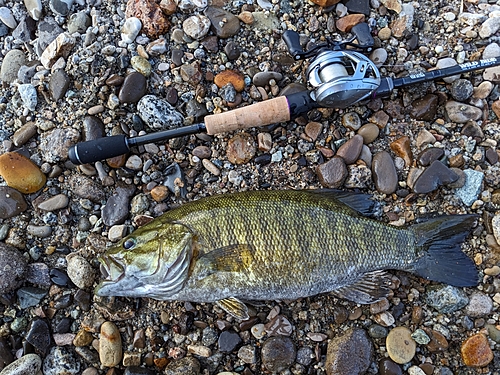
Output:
x,y
259,114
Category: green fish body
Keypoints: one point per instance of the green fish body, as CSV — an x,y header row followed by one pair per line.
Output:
x,y
268,245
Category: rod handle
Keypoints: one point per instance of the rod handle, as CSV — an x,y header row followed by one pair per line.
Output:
x,y
98,149
263,113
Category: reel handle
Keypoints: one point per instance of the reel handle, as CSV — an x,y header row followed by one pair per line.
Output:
x,y
292,41
362,33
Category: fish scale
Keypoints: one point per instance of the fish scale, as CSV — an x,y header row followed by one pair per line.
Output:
x,y
268,245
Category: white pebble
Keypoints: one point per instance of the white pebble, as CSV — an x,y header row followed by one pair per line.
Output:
x,y
7,18
131,29
28,96
34,8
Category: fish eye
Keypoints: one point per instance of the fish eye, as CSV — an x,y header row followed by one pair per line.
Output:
x,y
129,243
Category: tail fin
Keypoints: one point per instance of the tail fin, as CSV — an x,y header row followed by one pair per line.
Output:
x,y
441,258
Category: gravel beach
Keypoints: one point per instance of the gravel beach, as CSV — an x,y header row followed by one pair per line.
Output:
x,y
79,70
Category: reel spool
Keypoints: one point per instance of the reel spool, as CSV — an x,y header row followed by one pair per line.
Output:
x,y
342,78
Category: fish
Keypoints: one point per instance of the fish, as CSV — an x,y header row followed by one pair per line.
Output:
x,y
231,249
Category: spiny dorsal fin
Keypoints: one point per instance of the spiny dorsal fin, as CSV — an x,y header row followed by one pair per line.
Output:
x,y
232,258
370,288
234,307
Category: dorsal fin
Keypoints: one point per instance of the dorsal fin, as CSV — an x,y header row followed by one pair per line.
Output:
x,y
364,204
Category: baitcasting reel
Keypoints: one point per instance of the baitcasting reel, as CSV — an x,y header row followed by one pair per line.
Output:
x,y
340,77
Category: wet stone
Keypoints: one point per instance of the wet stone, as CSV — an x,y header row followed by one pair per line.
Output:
x,y
12,268
349,353
61,360
158,114
461,89
388,367
384,173
133,89
425,108
184,366
278,353
429,155
438,342
476,351
39,336
28,364
228,341
369,132
436,175
333,173
446,298
12,203
400,345
473,130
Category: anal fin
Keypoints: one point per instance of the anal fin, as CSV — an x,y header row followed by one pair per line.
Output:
x,y
370,288
234,307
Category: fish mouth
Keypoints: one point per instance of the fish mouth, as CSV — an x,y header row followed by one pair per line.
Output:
x,y
111,270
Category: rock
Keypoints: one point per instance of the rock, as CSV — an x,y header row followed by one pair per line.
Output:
x,y
476,351
278,353
58,84
12,202
81,273
479,305
379,55
116,209
351,120
60,47
39,336
349,353
55,144
184,366
429,155
230,76
28,364
130,29
384,173
28,95
24,134
369,132
461,90
86,188
247,354
241,148
400,345
495,223
13,267
333,173
445,63
158,114
446,298
225,24
346,23
61,360
154,22
262,78
54,203
469,193
7,18
402,148
425,108
142,65
388,367
228,341
21,173
434,176
196,26
351,150
11,63
461,113
79,22
61,7
489,27
110,345
133,89
313,130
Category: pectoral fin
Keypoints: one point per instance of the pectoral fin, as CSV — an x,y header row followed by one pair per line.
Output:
x,y
232,258
234,307
369,289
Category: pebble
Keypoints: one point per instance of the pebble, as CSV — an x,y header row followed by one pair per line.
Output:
x,y
12,268
388,367
429,155
59,47
54,203
461,89
402,148
313,130
420,337
110,345
116,209
247,354
351,120
479,305
184,366
61,7
130,29
445,63
461,112
58,84
54,144
446,298
39,336
384,173
476,351
11,64
379,55
489,27
86,188
81,273
349,353
29,296
142,65
400,345
351,150
60,360
7,18
21,173
224,23
228,341
369,132
28,364
78,22
196,26
263,78
211,167
241,148
333,173
24,134
158,114
230,76
28,95
12,202
469,193
425,108
133,89
436,175
278,353
154,22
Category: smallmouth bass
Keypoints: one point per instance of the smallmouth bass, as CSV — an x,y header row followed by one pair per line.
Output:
x,y
268,245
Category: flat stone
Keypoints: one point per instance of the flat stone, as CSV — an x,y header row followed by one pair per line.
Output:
x,y
56,143
116,209
446,298
446,63
333,173
476,351
58,84
384,173
21,173
349,353
263,78
425,108
86,188
461,90
429,155
79,22
61,360
230,76
470,191
133,89
184,366
196,26
12,202
24,134
345,24
278,353
61,7
400,345
241,148
28,95
11,63
223,22
369,132
351,150
351,120
479,305
142,65
39,336
434,176
229,341
489,27
59,47
7,18
402,148
130,29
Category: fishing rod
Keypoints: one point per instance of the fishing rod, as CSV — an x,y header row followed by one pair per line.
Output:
x,y
340,77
